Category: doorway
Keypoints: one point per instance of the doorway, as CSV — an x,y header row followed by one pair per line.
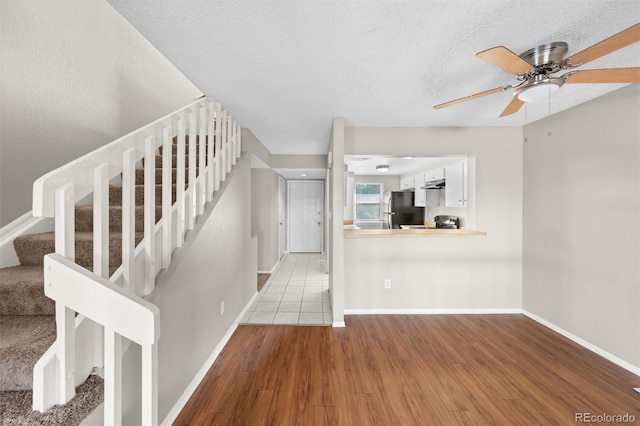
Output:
x,y
306,217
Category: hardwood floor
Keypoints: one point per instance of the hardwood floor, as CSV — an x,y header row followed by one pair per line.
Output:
x,y
409,370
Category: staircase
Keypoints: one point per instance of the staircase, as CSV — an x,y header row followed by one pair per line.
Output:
x,y
28,316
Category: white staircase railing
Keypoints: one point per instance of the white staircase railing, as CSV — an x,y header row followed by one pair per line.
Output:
x,y
107,307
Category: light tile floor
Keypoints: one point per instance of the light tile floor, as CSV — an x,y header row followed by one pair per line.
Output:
x,y
296,293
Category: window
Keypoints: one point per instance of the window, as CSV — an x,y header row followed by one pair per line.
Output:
x,y
368,201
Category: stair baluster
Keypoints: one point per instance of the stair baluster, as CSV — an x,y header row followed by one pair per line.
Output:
x,y
65,317
216,146
234,142
192,171
202,182
180,183
149,214
100,246
167,157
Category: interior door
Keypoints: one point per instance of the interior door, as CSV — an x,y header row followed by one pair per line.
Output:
x,y
282,230
305,216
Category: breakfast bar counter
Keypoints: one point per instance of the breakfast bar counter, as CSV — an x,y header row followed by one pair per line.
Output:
x,y
413,231
413,271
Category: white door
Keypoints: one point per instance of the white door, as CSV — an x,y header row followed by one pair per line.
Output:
x,y
282,234
305,216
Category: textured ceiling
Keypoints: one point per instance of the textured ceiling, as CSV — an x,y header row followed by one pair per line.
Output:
x,y
285,69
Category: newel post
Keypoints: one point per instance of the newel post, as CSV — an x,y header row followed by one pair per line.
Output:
x,y
65,317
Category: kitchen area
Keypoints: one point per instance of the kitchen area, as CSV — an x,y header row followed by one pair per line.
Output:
x,y
406,196
410,239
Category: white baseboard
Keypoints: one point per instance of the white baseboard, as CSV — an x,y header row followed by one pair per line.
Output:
x,y
433,311
593,348
193,385
340,324
272,269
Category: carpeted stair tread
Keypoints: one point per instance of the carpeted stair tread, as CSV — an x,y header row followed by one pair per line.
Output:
x,y
16,406
174,150
84,218
174,176
115,195
22,291
24,339
32,248
174,161
186,139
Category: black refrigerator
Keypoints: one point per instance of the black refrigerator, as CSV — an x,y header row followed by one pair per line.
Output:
x,y
401,211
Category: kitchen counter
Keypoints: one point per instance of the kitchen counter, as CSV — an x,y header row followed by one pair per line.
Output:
x,y
413,231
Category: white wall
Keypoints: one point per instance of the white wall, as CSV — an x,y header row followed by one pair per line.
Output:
x,y
75,75
264,216
582,222
213,266
429,273
455,272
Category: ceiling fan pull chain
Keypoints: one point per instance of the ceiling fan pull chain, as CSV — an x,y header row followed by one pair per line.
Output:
x,y
549,132
526,122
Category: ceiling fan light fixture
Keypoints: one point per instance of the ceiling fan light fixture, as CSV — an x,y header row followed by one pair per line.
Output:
x,y
539,89
383,168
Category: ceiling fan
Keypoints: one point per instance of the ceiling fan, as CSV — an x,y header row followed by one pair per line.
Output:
x,y
534,69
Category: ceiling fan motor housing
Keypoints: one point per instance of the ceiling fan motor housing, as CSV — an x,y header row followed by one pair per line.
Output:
x,y
546,60
546,54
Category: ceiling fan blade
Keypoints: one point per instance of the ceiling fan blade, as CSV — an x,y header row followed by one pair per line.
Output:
x,y
513,107
612,75
606,46
470,97
505,59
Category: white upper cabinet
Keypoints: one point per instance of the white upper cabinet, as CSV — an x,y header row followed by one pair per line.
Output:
x,y
456,184
435,174
407,182
420,194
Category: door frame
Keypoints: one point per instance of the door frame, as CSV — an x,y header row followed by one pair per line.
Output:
x,y
283,223
322,200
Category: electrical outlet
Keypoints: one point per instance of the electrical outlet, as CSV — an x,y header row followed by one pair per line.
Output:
x,y
222,308
387,284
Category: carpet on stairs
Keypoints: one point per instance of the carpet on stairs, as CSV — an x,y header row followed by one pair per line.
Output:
x,y
15,406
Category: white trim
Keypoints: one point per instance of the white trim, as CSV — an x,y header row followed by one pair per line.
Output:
x,y
433,311
195,382
338,324
25,224
14,226
273,270
590,346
